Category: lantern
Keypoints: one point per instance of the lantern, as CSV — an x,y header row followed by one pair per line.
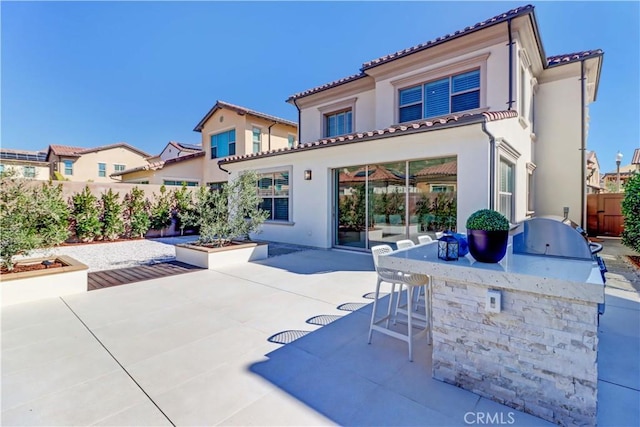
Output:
x,y
448,248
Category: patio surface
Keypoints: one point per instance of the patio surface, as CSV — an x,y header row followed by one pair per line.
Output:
x,y
208,348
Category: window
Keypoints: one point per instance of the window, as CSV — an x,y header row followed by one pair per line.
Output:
x,y
29,171
530,187
291,139
274,190
1,168
223,144
217,186
460,92
118,168
338,123
257,140
68,167
442,188
179,183
505,192
102,170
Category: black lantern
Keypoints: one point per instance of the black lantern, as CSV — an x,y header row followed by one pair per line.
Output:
x,y
448,248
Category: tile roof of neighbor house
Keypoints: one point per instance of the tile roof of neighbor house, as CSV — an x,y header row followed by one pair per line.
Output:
x,y
186,147
241,110
23,155
635,160
159,164
448,168
405,128
513,13
68,151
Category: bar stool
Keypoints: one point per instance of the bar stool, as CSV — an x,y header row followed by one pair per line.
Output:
x,y
411,281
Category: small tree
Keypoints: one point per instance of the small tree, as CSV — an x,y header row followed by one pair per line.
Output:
x,y
183,208
86,215
230,213
631,213
112,220
51,215
18,234
161,210
136,213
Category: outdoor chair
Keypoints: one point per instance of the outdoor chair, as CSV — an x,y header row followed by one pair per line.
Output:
x,y
411,281
424,239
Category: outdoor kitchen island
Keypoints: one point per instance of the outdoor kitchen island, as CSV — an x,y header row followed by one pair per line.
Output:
x,y
538,354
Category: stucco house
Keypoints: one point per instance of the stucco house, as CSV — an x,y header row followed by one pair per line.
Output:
x,y
485,98
593,173
93,164
175,149
175,171
26,164
231,130
610,179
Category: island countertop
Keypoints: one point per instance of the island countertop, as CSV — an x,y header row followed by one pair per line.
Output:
x,y
553,276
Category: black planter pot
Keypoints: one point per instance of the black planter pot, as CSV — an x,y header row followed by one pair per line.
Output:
x,y
487,246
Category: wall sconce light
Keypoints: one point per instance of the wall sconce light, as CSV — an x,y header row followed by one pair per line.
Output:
x,y
307,175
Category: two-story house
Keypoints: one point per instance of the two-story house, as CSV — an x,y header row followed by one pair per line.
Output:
x,y
593,173
93,164
613,182
175,149
231,130
24,163
508,121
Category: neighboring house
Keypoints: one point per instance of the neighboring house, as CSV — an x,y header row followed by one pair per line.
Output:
x,y
610,179
26,164
93,164
486,99
187,169
231,130
593,173
177,149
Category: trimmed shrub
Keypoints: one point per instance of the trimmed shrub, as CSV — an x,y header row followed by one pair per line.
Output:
x,y
136,213
487,220
85,214
161,209
183,208
51,215
631,213
112,220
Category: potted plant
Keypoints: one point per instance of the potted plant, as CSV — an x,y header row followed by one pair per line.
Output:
x,y
225,217
488,235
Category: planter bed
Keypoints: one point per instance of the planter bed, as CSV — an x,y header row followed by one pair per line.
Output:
x,y
210,258
33,285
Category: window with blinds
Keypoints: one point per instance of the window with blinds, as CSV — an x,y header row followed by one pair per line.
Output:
x,y
274,190
460,92
338,123
257,140
505,192
223,144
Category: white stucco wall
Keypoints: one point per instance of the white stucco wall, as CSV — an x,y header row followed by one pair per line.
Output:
x,y
558,156
311,221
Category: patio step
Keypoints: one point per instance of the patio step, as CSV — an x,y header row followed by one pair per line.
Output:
x,y
122,276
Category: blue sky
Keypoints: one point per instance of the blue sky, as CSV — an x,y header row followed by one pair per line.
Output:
x,y
95,73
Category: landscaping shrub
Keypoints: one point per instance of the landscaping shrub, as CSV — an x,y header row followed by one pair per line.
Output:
x,y
85,215
112,220
230,213
51,214
183,208
136,213
631,213
161,210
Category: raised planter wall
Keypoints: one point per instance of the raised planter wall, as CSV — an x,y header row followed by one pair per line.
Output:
x,y
212,258
28,286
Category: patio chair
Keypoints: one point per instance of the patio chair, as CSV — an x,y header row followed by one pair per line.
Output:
x,y
411,281
424,239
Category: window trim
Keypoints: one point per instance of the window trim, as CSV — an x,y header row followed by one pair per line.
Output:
x,y
336,108
507,161
289,170
218,132
423,77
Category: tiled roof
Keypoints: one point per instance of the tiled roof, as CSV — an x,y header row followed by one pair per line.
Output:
x,y
480,25
448,168
65,150
327,86
23,155
242,110
573,57
405,128
635,160
159,164
186,147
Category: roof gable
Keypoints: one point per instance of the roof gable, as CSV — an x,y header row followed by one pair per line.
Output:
x,y
241,110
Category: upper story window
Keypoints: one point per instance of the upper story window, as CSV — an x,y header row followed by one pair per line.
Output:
x,y
452,94
118,168
223,144
257,140
29,171
338,123
291,140
68,167
102,170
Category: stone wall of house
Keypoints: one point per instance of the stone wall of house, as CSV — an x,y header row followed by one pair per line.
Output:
x,y
538,355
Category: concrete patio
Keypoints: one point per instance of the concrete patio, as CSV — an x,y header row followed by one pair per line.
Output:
x,y
220,348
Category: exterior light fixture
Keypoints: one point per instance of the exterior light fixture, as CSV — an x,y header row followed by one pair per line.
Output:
x,y
618,160
448,248
307,175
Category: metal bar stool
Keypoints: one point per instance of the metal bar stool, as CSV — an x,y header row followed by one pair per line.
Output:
x,y
411,281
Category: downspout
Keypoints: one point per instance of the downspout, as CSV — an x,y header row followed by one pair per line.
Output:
x,y
492,166
269,138
583,147
299,123
510,102
223,169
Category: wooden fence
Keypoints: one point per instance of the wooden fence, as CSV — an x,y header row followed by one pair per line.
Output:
x,y
604,214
